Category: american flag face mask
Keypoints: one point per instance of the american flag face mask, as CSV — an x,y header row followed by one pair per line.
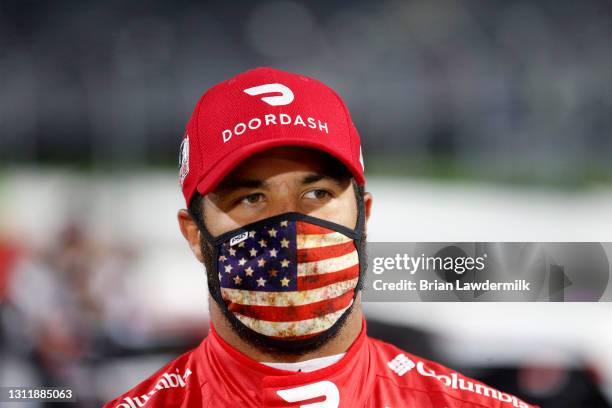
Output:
x,y
290,279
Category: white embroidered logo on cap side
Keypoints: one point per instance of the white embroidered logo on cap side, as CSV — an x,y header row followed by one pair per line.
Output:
x,y
285,98
361,159
184,159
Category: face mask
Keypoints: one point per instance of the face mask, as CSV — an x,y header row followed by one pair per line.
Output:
x,y
289,280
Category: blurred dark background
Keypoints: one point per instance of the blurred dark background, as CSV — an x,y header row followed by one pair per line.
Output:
x,y
519,89
509,103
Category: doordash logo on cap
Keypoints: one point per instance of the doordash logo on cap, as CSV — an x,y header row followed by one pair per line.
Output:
x,y
285,98
271,119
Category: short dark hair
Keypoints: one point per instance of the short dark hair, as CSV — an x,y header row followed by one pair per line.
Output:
x,y
196,209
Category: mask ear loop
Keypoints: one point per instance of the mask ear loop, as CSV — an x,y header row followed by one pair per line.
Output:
x,y
360,211
360,231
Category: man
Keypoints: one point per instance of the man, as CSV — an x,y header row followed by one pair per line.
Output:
x,y
272,174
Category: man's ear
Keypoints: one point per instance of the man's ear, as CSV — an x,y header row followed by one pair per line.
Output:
x,y
367,201
191,232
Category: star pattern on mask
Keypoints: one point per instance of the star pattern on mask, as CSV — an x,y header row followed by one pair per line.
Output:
x,y
266,260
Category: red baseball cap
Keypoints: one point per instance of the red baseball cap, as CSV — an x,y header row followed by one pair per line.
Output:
x,y
255,111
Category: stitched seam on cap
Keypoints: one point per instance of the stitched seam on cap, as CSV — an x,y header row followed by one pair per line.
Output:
x,y
197,130
347,119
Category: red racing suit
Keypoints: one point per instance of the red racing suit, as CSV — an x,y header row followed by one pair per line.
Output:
x,y
371,374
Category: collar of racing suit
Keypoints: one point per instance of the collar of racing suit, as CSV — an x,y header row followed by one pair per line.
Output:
x,y
245,382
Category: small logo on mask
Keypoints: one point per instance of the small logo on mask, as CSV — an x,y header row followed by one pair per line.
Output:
x,y
239,238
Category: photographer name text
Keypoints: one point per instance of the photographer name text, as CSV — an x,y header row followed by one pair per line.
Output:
x,y
437,285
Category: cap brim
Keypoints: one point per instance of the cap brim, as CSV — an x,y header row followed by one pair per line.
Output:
x,y
229,162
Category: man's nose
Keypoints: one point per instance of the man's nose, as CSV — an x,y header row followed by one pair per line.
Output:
x,y
285,199
286,205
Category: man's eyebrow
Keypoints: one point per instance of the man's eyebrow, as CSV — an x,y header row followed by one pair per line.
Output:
x,y
237,183
314,177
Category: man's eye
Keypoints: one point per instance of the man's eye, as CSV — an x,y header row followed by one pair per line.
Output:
x,y
318,194
253,198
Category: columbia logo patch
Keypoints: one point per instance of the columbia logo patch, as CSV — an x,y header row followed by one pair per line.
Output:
x,y
401,364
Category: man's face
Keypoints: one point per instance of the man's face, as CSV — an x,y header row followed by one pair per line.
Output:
x,y
277,181
287,179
